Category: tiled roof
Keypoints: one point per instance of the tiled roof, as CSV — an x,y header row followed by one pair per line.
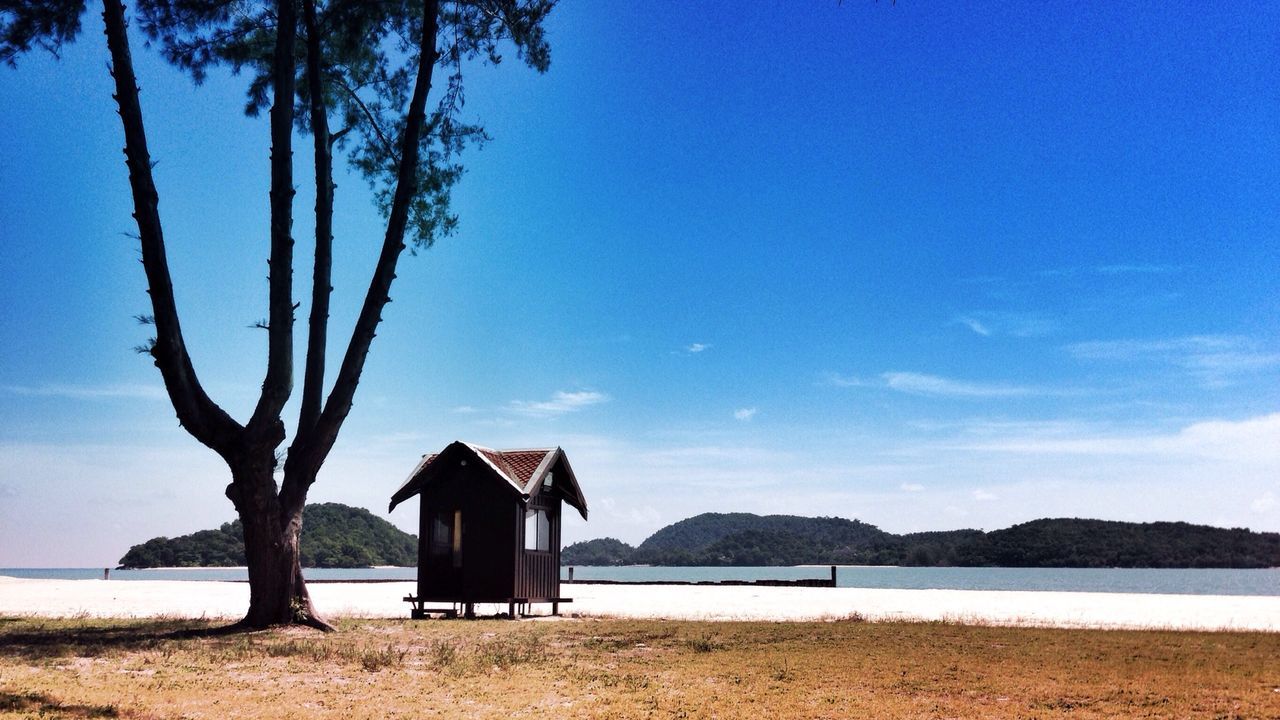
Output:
x,y
517,465
522,469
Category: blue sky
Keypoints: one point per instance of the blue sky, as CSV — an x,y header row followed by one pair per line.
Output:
x,y
929,266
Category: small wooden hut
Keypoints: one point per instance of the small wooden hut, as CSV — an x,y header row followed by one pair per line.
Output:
x,y
489,529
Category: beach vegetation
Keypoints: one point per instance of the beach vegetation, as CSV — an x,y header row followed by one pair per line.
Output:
x,y
707,642
577,668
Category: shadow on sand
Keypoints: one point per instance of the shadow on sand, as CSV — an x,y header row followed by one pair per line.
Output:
x,y
38,638
42,705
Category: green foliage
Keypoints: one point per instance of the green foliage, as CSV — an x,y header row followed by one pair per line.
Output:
x,y
599,552
743,539
369,52
1101,543
207,548
368,55
333,536
46,25
747,539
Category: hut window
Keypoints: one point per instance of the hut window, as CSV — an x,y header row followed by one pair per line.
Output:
x,y
441,532
537,530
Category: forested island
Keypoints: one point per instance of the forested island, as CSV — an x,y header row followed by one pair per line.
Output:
x,y
333,536
744,539
340,536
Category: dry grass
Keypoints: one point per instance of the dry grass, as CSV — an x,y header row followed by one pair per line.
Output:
x,y
629,669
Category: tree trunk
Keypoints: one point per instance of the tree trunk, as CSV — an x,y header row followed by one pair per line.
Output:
x,y
277,593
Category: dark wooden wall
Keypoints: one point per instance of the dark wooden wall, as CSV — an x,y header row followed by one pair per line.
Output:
x,y
487,571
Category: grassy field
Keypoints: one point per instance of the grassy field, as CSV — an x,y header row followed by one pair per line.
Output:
x,y
629,669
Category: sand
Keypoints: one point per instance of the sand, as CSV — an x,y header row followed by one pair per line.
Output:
x,y
207,599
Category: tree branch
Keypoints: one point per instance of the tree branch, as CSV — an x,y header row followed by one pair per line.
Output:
x,y
373,122
321,287
338,404
207,422
265,425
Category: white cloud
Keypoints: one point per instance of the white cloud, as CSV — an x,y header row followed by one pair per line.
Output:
x,y
984,495
697,347
90,392
912,487
745,414
921,384
559,404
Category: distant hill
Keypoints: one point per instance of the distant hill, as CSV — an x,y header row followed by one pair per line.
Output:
x,y
333,536
603,551
747,539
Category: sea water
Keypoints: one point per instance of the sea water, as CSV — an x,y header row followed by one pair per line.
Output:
x,y
1216,581
1119,580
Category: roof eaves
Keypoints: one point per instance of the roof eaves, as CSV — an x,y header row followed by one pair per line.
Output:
x,y
408,483
572,478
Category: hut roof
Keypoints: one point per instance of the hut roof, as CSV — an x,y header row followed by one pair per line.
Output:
x,y
522,470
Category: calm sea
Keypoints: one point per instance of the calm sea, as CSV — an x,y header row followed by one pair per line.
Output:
x,y
1177,582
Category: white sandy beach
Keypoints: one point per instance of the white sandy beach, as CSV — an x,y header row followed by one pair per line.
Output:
x,y
153,598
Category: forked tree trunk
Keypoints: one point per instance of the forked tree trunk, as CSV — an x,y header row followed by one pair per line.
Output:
x,y
277,592
271,516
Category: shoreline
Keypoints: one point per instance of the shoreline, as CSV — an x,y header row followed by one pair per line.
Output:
x,y
1019,608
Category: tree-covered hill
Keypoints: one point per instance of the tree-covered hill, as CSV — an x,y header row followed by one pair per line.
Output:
x,y
333,536
747,539
599,552
1101,543
744,539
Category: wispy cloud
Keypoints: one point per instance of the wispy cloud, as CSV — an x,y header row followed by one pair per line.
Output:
x,y
1215,359
984,495
559,404
1113,269
745,414
465,410
1137,269
921,384
912,487
914,383
89,392
975,325
988,323
1251,442
697,348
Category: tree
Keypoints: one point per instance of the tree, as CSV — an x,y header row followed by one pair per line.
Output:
x,y
369,67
